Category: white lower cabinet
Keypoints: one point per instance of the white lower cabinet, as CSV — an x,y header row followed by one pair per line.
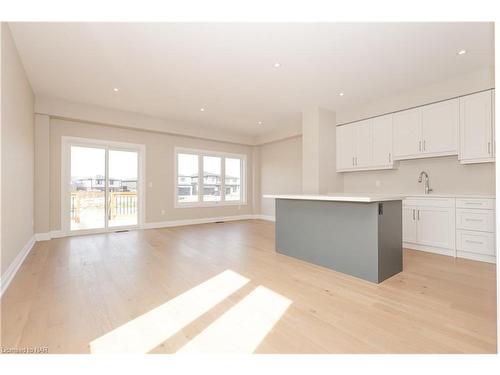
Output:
x,y
476,242
409,224
436,227
448,226
430,224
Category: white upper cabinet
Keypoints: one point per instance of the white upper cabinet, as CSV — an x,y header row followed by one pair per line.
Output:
x,y
440,128
345,147
462,126
426,131
407,134
477,128
363,147
382,141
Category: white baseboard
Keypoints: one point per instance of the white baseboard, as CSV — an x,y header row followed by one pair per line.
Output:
x,y
265,217
205,220
162,224
451,252
8,276
479,257
429,249
42,236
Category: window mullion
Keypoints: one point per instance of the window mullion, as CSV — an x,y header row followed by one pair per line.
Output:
x,y
200,179
223,179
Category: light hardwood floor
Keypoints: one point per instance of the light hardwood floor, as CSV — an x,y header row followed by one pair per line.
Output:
x,y
71,291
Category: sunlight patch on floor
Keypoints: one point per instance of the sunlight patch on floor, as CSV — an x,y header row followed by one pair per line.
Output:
x,y
147,331
242,328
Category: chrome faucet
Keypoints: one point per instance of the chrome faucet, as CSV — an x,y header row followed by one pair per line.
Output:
x,y
427,189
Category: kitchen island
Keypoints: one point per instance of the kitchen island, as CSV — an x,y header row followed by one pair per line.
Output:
x,y
360,235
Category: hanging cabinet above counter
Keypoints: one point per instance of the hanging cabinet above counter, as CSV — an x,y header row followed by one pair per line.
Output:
x,y
461,126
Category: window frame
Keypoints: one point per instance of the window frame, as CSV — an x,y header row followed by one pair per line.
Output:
x,y
222,155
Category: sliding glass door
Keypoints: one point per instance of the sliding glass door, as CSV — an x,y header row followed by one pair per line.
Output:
x,y
122,188
104,189
88,181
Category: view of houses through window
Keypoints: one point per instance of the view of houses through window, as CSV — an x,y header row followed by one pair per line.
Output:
x,y
221,178
89,208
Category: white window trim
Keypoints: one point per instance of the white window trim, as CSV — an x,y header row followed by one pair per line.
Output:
x,y
201,153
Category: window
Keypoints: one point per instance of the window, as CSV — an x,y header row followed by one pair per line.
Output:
x,y
187,178
212,179
207,178
233,179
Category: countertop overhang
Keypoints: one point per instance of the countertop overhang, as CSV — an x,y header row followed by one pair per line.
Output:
x,y
340,197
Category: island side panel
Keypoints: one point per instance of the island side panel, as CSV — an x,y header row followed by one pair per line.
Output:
x,y
339,235
390,240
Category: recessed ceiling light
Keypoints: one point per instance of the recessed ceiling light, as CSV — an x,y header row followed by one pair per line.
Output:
x,y
202,109
462,52
115,89
260,122
341,94
277,64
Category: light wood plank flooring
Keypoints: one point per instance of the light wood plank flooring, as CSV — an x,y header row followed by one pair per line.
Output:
x,y
71,291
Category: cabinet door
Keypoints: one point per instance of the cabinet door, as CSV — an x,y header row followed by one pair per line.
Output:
x,y
476,127
345,147
440,128
409,224
436,227
363,144
407,134
382,141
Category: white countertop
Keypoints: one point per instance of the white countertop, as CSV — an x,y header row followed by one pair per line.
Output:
x,y
339,197
432,195
368,197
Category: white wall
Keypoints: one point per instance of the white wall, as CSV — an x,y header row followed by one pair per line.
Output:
x,y
159,169
17,150
280,170
447,175
318,156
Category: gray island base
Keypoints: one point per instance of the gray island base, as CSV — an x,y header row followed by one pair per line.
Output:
x,y
362,239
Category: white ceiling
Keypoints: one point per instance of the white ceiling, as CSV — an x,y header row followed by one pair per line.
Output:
x,y
171,70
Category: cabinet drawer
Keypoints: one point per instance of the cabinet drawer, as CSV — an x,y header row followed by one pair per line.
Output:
x,y
481,220
488,204
476,242
429,202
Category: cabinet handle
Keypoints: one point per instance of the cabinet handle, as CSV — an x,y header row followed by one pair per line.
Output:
x,y
356,160
424,144
418,215
489,148
389,157
419,145
413,214
353,161
476,242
